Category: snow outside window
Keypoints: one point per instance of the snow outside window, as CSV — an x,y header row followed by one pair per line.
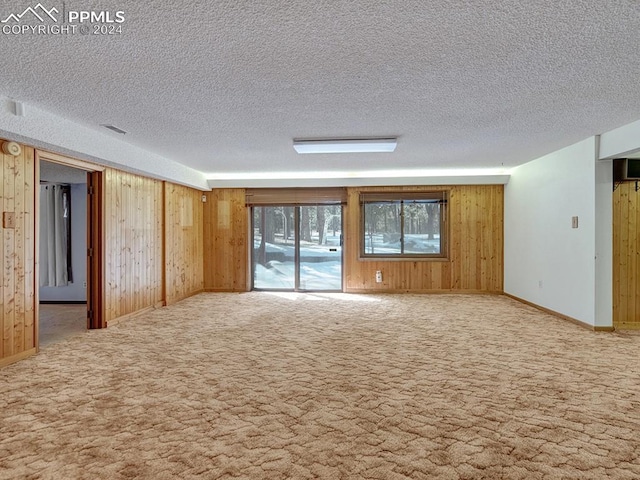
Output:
x,y
396,225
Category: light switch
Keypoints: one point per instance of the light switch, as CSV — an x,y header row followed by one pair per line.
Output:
x,y
574,222
9,220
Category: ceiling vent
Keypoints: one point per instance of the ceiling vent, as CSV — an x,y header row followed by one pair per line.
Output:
x,y
114,129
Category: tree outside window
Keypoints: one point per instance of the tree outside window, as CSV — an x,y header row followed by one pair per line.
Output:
x,y
404,225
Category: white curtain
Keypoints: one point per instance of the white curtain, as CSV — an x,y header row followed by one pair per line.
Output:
x,y
55,268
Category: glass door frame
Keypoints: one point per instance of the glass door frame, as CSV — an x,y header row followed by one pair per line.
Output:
x,y
296,217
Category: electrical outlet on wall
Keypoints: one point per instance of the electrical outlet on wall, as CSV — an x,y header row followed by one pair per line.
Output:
x,y
84,284
379,276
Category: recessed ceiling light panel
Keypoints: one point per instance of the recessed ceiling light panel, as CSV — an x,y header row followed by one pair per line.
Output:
x,y
351,145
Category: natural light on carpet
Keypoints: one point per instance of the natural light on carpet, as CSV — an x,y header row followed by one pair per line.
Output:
x,y
321,297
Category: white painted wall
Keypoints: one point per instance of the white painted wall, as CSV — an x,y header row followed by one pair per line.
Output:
x,y
616,143
604,244
47,131
621,141
74,291
540,245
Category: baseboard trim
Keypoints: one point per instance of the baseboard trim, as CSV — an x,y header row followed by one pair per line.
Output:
x,y
575,321
604,329
155,306
450,291
130,316
369,291
627,326
17,357
223,290
171,301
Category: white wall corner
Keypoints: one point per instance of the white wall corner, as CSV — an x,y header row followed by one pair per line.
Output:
x,y
546,261
620,141
604,244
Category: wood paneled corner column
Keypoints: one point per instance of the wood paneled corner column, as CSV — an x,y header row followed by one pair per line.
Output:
x,y
226,241
184,252
133,243
626,257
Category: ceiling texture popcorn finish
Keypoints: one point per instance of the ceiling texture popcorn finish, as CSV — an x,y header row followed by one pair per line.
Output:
x,y
224,87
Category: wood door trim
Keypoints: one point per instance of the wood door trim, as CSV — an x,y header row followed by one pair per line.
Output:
x,y
70,162
95,253
95,232
36,252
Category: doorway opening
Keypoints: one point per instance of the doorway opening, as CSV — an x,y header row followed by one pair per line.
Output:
x,y
68,226
297,248
62,276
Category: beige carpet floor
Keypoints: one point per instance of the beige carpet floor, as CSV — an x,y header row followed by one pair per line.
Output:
x,y
268,386
61,321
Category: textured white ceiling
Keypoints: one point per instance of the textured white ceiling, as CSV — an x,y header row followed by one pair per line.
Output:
x,y
224,86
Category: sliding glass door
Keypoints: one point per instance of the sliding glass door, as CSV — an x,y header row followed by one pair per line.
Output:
x,y
320,248
297,248
274,248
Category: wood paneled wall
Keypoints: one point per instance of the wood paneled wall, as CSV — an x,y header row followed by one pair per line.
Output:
x,y
184,268
133,225
136,248
626,257
475,249
17,247
475,223
226,240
